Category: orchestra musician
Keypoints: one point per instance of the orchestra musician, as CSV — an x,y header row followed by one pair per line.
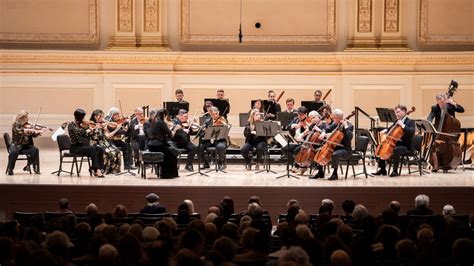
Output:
x,y
22,141
221,96
258,104
157,134
340,152
80,134
252,141
435,115
296,128
272,98
120,137
179,94
137,134
181,139
318,96
112,158
403,146
290,106
207,110
221,145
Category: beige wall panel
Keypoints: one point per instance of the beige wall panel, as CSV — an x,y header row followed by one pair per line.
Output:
x,y
135,97
50,21
464,97
53,100
210,17
450,17
369,99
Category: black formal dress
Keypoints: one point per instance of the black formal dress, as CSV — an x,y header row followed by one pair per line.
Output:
x,y
22,143
252,141
80,144
158,133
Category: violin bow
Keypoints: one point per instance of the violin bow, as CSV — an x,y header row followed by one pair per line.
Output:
x,y
194,117
37,117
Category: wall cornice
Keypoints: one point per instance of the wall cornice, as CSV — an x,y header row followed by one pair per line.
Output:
x,y
36,57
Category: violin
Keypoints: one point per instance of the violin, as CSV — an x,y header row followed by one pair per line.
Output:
x,y
220,121
29,125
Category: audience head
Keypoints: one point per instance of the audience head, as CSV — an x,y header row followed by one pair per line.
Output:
x,y
340,258
226,247
348,207
360,212
108,255
120,211
254,199
214,209
463,251
64,204
192,240
395,206
150,234
294,256
422,200
152,198
293,203
190,205
406,250
92,209
448,210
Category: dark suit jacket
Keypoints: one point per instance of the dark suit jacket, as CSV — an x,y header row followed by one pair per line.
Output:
x,y
153,209
408,133
348,135
420,210
436,111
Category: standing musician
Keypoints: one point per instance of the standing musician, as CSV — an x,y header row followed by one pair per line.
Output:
x,y
112,158
221,96
119,138
22,141
181,139
137,134
221,145
343,152
252,141
80,134
403,146
435,114
318,96
290,106
272,98
158,133
179,96
296,128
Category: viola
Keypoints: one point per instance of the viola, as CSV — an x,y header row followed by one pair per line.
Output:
x,y
385,149
324,155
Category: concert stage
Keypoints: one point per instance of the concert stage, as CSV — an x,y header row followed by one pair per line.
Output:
x,y
25,192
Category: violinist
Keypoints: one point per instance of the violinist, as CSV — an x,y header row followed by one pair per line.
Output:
x,y
181,139
137,134
158,134
80,134
296,128
340,152
120,137
207,110
272,99
258,104
112,160
22,142
179,94
290,106
252,141
221,145
403,146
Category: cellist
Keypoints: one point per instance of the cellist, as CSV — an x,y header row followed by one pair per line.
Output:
x,y
451,108
340,152
403,146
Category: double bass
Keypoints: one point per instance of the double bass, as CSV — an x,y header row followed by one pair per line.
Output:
x,y
446,146
385,148
324,155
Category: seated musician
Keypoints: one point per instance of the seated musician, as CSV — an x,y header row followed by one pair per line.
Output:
x,y
22,141
258,104
120,137
403,145
252,141
137,134
296,128
207,110
435,114
272,98
157,134
221,145
182,139
112,158
179,94
80,135
290,106
340,152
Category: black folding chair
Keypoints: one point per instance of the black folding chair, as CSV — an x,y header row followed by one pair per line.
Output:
x,y
64,145
357,155
22,155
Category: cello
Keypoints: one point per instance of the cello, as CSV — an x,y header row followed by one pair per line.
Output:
x,y
324,155
306,154
385,148
446,153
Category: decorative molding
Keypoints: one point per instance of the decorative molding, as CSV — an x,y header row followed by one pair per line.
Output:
x,y
326,39
125,16
392,14
151,14
186,58
424,38
364,16
91,37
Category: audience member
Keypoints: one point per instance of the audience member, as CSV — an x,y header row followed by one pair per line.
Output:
x,y
153,206
422,203
64,206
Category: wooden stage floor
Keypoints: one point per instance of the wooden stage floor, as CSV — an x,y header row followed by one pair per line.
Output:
x,y
19,191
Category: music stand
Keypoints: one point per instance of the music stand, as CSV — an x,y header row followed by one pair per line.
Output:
x,y
243,119
269,107
285,118
216,133
386,115
312,105
285,139
222,105
266,129
174,107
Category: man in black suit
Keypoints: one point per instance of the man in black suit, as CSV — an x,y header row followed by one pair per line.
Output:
x,y
403,146
422,202
153,206
343,152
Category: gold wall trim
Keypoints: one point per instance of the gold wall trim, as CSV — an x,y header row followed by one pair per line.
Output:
x,y
364,16
392,16
189,58
425,39
326,39
92,37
